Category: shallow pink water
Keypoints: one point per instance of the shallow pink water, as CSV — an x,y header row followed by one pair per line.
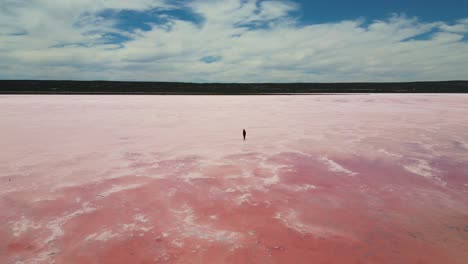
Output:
x,y
168,179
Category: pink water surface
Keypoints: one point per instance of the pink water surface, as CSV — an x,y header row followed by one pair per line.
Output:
x,y
168,179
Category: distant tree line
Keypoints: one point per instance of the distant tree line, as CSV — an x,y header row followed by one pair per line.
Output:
x,y
112,87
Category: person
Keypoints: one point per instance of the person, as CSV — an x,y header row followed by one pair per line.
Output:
x,y
244,133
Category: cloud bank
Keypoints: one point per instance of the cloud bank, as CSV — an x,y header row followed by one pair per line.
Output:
x,y
220,41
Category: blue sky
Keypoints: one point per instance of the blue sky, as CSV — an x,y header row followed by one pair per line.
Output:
x,y
234,40
428,10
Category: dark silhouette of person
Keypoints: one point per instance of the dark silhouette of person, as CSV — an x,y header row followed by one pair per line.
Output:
x,y
244,133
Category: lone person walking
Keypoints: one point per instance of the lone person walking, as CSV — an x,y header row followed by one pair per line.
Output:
x,y
244,133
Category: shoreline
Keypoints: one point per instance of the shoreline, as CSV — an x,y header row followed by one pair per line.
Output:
x,y
175,88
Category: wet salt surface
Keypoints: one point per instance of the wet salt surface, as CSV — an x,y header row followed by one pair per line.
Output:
x,y
168,179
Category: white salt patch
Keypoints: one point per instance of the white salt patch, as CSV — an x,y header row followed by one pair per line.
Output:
x,y
390,153
258,187
213,217
55,226
171,192
199,249
278,216
274,179
119,188
66,183
145,229
152,175
241,189
177,243
292,221
141,218
44,199
333,166
23,225
124,228
389,188
163,257
103,236
258,183
43,257
188,227
194,176
245,198
306,187
420,167
244,175
10,190
271,180
135,227
440,181
463,143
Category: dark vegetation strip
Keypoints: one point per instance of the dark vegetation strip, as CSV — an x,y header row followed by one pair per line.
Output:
x,y
112,87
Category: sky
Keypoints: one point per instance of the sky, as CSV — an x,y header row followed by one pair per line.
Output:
x,y
234,40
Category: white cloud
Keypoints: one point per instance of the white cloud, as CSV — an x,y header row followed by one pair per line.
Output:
x,y
460,27
256,41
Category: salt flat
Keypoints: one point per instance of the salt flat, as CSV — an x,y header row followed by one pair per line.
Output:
x,y
380,178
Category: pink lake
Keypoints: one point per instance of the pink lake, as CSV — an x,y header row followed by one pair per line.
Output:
x,y
379,178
